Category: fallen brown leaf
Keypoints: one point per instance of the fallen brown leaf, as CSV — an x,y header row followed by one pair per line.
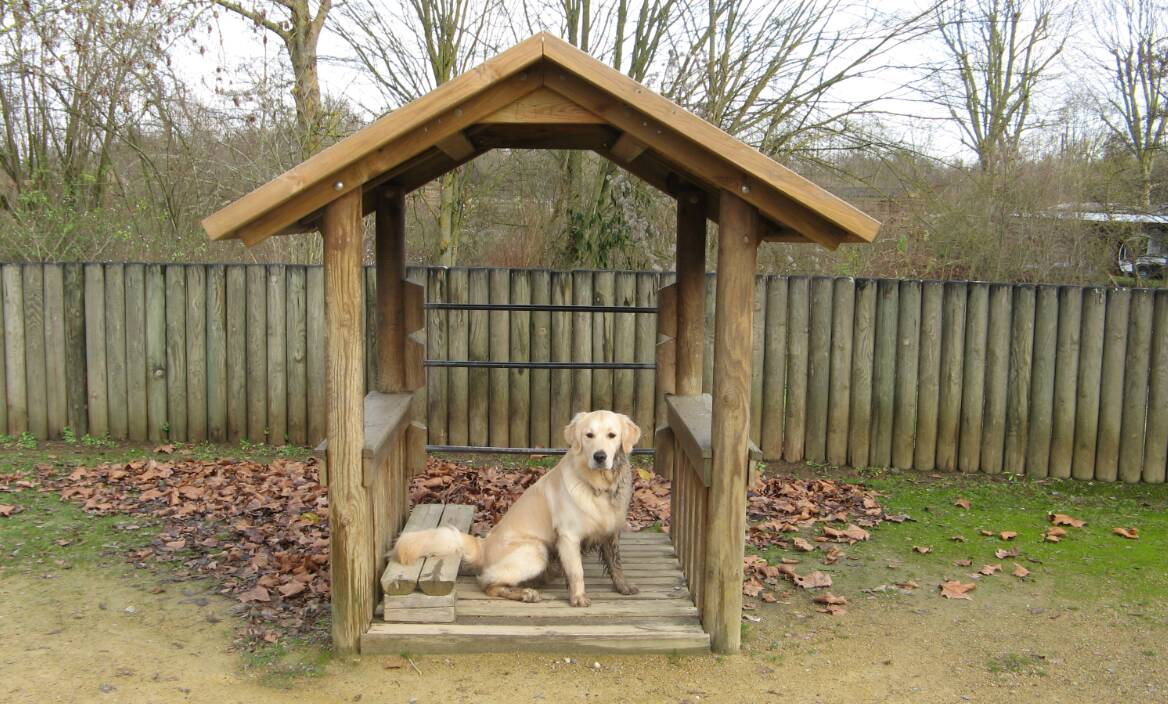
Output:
x,y
1053,535
963,563
1002,553
990,569
395,662
833,554
910,585
769,597
815,580
986,533
831,599
290,589
1007,535
954,589
167,449
7,510
833,610
958,538
1062,519
1129,533
256,593
922,549
802,545
962,503
1020,571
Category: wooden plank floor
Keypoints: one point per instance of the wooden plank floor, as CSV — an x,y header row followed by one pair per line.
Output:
x,y
660,619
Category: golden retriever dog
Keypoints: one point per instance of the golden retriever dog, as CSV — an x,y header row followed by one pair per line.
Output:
x,y
579,505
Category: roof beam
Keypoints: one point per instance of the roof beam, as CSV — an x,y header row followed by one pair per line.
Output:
x,y
543,107
324,190
628,147
689,157
616,87
340,161
457,146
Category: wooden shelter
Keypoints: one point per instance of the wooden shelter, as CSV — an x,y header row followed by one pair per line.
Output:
x,y
542,94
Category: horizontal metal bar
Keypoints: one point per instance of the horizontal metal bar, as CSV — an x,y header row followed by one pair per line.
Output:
x,y
540,307
475,449
480,364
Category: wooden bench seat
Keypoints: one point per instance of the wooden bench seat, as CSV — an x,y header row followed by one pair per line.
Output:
x,y
691,419
424,592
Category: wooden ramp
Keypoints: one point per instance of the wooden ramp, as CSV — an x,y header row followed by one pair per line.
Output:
x,y
662,618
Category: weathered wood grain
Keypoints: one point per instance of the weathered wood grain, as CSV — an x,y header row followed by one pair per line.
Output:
x,y
775,368
863,349
1135,386
1111,383
257,354
1018,379
818,369
36,383
740,233
519,350
973,377
136,367
157,379
352,561
997,369
904,414
57,401
794,431
197,354
478,380
1092,319
95,370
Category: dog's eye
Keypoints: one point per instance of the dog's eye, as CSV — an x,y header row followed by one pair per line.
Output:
x,y
590,435
612,435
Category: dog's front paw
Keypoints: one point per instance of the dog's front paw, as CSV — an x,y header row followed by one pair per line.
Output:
x,y
530,596
582,601
628,589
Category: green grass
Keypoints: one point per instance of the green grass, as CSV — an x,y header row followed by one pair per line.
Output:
x,y
1016,664
1089,564
282,665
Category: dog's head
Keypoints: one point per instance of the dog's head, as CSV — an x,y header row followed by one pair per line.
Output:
x,y
602,436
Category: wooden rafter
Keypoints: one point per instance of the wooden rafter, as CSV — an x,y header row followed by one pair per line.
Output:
x,y
545,94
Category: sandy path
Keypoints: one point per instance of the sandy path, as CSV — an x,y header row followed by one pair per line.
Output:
x,y
57,644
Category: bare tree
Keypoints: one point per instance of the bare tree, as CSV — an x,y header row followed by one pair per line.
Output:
x,y
996,55
409,48
73,76
786,75
298,26
1134,34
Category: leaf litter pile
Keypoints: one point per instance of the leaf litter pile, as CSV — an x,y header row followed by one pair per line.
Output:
x,y
259,530
779,506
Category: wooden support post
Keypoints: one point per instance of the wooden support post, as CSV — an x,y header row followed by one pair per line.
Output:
x,y
351,542
691,288
738,237
391,276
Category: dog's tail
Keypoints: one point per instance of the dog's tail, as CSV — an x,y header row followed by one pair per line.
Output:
x,y
438,541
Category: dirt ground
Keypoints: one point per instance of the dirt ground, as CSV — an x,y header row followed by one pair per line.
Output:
x,y
101,635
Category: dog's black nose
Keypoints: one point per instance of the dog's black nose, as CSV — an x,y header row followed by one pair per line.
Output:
x,y
599,456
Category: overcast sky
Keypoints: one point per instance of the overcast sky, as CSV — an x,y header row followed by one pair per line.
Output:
x,y
236,53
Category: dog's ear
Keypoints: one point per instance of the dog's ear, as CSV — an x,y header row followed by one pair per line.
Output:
x,y
572,430
630,433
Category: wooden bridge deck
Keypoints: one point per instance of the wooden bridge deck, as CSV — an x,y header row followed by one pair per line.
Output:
x,y
661,618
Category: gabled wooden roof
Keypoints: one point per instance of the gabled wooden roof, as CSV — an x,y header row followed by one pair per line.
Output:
x,y
544,94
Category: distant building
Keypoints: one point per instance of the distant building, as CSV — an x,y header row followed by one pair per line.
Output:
x,y
1142,251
